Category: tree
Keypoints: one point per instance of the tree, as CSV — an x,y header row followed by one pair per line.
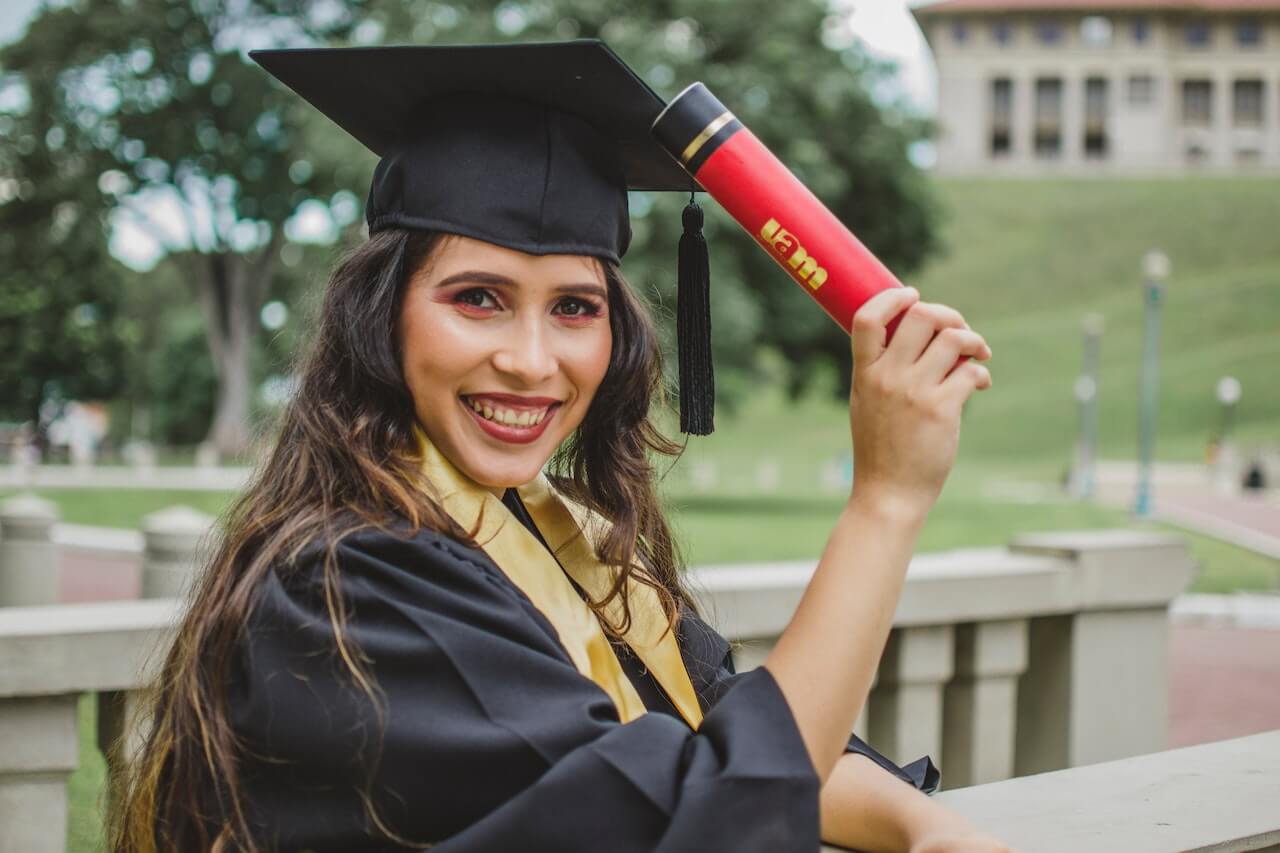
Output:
x,y
181,133
62,333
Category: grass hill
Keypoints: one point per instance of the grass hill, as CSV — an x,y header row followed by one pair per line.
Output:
x,y
1025,260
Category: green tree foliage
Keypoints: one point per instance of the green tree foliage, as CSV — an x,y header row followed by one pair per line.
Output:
x,y
155,98
158,100
61,329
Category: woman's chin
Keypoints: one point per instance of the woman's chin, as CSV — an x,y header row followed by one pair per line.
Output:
x,y
508,476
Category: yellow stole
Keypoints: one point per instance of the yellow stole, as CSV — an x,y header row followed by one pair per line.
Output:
x,y
571,531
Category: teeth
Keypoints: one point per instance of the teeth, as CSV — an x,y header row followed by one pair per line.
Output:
x,y
509,417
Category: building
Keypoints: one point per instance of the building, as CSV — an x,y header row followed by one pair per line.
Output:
x,y
1106,86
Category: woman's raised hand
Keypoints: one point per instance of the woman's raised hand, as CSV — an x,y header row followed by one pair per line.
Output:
x,y
906,399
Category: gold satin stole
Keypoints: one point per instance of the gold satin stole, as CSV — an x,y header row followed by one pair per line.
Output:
x,y
570,530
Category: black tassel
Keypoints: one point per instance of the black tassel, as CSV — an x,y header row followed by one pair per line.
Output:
x,y
693,328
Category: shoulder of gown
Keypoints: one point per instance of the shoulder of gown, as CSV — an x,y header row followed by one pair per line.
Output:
x,y
480,733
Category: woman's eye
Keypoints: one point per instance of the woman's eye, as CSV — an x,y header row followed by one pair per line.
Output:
x,y
578,308
477,298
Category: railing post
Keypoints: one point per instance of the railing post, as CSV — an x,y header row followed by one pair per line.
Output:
x,y
30,564
982,702
905,713
1097,685
40,750
172,540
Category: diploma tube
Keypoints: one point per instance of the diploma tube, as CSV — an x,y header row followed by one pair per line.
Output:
x,y
780,213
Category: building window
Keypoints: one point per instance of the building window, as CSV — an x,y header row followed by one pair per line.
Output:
x,y
1048,128
1002,31
1095,31
1141,30
1197,102
1049,31
1096,94
1246,103
959,32
1001,116
1196,33
1249,32
1142,90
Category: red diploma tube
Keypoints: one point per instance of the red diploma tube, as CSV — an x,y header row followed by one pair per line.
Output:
x,y
780,213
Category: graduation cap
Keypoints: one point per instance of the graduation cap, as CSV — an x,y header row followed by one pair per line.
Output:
x,y
528,146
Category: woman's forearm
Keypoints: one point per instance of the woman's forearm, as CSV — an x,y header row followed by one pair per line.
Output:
x,y
866,808
826,658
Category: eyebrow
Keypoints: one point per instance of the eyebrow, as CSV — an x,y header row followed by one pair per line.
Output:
x,y
491,278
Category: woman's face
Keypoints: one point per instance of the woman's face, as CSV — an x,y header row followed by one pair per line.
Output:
x,y
503,353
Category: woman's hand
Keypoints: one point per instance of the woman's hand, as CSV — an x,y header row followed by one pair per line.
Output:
x,y
906,399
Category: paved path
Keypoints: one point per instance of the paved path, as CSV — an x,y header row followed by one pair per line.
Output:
x,y
1223,683
1251,521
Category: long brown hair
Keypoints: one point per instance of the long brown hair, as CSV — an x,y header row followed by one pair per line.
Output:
x,y
346,459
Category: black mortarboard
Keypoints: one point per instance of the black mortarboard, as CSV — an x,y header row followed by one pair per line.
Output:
x,y
528,146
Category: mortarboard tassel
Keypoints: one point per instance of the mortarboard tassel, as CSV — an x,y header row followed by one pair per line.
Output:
x,y
693,328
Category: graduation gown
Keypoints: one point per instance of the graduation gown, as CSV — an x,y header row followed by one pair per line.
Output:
x,y
485,736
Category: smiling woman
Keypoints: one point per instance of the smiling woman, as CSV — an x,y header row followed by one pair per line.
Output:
x,y
448,612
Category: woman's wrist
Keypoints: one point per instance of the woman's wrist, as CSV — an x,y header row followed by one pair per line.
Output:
x,y
887,506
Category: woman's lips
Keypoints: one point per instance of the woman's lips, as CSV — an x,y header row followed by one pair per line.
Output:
x,y
512,433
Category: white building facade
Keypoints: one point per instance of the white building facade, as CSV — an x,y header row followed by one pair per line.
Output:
x,y
1106,87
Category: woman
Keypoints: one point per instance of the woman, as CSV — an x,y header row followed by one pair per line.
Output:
x,y
410,637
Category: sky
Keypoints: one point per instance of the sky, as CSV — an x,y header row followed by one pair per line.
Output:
x,y
885,28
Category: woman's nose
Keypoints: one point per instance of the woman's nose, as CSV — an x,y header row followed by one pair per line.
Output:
x,y
527,355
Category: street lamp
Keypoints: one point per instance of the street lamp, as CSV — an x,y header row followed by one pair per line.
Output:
x,y
1228,392
1155,271
1086,394
1228,395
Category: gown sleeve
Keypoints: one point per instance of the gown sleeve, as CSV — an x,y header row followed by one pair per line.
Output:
x,y
483,735
709,661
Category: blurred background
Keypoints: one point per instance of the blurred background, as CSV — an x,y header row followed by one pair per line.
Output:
x,y
1095,188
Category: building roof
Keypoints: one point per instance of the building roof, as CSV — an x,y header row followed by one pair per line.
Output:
x,y
1091,5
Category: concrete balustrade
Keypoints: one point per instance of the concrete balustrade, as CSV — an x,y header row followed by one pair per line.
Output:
x,y
49,656
1051,653
172,543
905,707
29,560
1045,655
1216,798
982,702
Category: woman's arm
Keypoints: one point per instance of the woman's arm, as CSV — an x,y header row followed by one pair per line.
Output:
x,y
905,408
867,809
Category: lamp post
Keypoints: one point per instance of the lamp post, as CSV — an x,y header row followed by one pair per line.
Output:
x,y
1228,393
1086,394
1155,270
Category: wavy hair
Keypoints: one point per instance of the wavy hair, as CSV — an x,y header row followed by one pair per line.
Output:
x,y
345,459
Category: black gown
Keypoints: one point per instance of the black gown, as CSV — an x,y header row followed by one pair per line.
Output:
x,y
484,736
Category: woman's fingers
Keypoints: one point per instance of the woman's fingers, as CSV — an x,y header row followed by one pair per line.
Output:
x,y
950,344
870,322
963,381
922,322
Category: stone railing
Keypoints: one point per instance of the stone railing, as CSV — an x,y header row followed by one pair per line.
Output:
x,y
1218,797
1048,654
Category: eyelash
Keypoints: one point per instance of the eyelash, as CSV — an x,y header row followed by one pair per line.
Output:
x,y
589,308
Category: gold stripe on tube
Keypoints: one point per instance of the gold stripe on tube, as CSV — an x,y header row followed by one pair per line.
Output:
x,y
707,132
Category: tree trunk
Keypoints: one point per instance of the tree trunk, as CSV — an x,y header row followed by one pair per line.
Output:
x,y
232,288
